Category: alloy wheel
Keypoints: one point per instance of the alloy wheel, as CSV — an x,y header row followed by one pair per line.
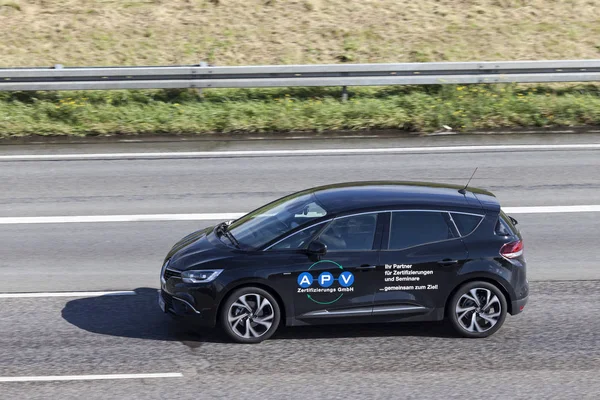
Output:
x,y
478,310
251,315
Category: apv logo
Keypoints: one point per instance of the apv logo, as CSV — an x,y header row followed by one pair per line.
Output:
x,y
322,286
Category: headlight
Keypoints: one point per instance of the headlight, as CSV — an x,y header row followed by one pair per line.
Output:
x,y
162,271
201,276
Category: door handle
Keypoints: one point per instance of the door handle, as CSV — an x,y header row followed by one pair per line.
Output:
x,y
447,262
367,266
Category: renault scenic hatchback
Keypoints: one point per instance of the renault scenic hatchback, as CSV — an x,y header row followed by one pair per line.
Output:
x,y
352,253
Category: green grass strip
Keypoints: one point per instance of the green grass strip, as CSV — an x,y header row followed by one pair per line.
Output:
x,y
423,109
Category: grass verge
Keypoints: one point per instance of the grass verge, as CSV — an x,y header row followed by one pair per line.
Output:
x,y
242,32
464,108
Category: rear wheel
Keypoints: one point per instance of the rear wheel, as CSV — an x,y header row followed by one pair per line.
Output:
x,y
250,315
477,309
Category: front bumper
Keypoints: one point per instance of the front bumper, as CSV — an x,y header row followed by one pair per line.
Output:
x,y
184,310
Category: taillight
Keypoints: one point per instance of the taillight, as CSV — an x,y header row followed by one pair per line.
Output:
x,y
512,249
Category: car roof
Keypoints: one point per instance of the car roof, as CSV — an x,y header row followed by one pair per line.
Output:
x,y
355,196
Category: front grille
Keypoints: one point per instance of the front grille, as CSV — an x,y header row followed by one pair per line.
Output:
x,y
171,274
168,300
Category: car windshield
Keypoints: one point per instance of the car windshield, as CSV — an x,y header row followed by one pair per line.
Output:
x,y
275,219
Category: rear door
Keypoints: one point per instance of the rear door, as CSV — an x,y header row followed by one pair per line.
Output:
x,y
420,258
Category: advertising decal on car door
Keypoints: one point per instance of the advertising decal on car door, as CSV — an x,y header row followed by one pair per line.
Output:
x,y
320,288
405,273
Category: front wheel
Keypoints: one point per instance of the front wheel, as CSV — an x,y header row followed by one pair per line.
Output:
x,y
250,315
477,309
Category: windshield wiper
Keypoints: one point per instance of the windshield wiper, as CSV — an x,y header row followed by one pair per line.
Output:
x,y
222,228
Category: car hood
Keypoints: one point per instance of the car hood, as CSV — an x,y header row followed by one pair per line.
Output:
x,y
196,249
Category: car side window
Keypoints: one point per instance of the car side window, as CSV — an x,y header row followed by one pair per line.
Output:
x,y
298,240
413,228
502,228
466,223
352,233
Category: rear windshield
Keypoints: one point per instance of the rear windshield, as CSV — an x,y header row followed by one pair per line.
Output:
x,y
504,226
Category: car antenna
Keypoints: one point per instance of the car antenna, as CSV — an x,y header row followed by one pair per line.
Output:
x,y
464,190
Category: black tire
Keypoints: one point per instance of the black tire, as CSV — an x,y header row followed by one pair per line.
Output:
x,y
483,327
243,309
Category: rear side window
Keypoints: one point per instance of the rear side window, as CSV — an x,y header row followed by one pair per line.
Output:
x,y
413,228
466,223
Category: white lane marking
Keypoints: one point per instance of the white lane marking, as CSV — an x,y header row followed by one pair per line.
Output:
x,y
118,218
66,294
50,378
296,152
551,209
227,216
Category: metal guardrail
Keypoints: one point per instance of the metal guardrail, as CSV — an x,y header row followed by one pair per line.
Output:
x,y
204,76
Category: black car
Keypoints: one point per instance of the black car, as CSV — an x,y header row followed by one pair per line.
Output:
x,y
352,253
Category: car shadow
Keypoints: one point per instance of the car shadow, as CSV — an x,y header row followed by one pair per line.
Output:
x,y
134,316
138,316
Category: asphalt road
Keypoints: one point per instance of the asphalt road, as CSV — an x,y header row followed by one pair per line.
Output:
x,y
552,350
123,256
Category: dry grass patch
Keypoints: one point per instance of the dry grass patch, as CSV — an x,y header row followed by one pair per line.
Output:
x,y
235,32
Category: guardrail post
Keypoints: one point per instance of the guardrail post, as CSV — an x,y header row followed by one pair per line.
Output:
x,y
202,64
344,94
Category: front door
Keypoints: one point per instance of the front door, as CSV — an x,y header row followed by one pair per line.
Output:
x,y
340,284
419,264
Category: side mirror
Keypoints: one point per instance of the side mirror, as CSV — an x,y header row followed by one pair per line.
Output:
x,y
317,248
